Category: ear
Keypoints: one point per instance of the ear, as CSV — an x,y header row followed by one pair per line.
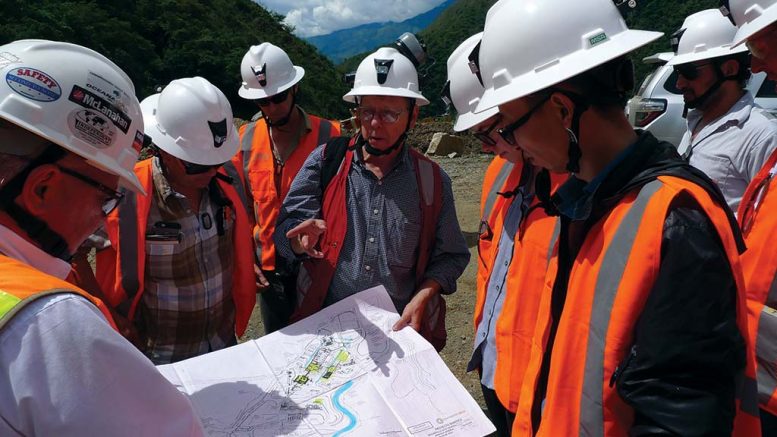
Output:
x,y
564,107
37,190
730,68
414,116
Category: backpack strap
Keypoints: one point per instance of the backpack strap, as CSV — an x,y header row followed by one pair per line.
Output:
x,y
334,152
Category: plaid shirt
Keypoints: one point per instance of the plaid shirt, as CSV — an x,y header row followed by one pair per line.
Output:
x,y
187,307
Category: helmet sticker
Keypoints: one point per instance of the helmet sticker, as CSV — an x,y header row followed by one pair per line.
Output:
x,y
7,58
382,68
260,73
597,39
91,127
219,131
107,90
90,100
140,141
33,84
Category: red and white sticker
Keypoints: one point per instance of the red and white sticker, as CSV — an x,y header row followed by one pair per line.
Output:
x,y
33,84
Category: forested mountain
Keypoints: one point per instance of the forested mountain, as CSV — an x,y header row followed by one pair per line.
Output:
x,y
347,42
156,41
466,17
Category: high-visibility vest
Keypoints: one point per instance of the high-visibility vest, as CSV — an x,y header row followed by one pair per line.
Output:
x,y
609,283
316,274
255,159
536,237
21,284
121,268
759,264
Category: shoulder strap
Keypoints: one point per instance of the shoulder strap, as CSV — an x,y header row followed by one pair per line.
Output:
x,y
334,152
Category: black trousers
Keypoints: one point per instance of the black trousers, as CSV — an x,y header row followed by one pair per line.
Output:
x,y
277,301
500,416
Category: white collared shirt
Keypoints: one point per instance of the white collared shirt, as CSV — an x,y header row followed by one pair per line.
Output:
x,y
732,149
66,372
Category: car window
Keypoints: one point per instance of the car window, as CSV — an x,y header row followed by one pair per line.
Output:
x,y
768,89
670,84
647,80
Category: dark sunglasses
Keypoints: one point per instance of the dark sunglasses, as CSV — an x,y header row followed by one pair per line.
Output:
x,y
484,136
192,168
507,132
113,197
276,99
689,71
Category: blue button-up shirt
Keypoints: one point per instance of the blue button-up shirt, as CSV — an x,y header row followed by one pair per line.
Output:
x,y
484,355
384,229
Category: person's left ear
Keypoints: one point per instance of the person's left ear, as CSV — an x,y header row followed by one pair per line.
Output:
x,y
730,68
414,116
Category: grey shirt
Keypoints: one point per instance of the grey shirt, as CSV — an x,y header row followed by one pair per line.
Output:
x,y
732,149
384,229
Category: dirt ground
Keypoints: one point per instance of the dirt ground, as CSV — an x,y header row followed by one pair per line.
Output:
x,y
467,173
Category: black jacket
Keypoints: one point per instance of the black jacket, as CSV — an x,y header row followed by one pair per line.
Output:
x,y
680,376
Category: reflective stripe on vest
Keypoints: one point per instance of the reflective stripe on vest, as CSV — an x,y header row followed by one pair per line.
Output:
x,y
10,305
128,252
766,348
500,179
610,275
231,170
245,146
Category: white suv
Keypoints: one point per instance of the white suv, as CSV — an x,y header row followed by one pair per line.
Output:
x,y
658,105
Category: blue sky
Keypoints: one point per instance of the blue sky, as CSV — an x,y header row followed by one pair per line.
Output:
x,y
319,17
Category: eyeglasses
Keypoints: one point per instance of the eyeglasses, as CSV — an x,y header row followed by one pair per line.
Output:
x,y
507,132
385,115
276,99
113,198
484,136
690,71
193,169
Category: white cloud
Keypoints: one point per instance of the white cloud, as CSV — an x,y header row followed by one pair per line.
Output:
x,y
319,17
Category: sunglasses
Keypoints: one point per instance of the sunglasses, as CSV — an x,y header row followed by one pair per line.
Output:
x,y
689,71
192,168
484,136
385,115
507,132
276,99
113,197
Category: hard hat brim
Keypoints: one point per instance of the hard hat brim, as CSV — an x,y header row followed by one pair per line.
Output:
x,y
563,68
261,93
707,54
468,120
749,29
383,91
127,178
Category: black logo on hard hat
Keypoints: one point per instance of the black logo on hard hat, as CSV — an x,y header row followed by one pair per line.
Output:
x,y
474,62
382,67
674,40
261,74
219,131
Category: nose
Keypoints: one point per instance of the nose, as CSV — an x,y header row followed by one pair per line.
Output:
x,y
681,81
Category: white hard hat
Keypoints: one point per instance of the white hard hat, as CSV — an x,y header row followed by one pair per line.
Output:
x,y
750,16
267,70
191,119
75,98
531,45
704,35
464,88
386,73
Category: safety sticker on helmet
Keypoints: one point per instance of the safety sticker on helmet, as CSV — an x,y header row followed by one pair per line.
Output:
x,y
33,84
91,127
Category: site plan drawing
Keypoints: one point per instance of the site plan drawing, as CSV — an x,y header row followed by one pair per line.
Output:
x,y
341,372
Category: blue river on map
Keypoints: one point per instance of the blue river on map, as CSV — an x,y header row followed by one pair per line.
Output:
x,y
339,406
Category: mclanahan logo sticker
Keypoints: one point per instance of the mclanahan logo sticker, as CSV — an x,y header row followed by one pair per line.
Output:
x,y
90,100
92,127
33,84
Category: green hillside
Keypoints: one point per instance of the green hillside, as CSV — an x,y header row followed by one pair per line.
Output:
x,y
156,41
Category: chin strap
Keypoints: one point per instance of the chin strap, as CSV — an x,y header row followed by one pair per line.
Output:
x,y
285,120
542,190
574,152
702,99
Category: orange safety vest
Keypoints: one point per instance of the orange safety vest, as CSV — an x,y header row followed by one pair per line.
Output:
x,y
609,283
316,274
525,278
759,263
21,284
496,174
120,268
256,161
